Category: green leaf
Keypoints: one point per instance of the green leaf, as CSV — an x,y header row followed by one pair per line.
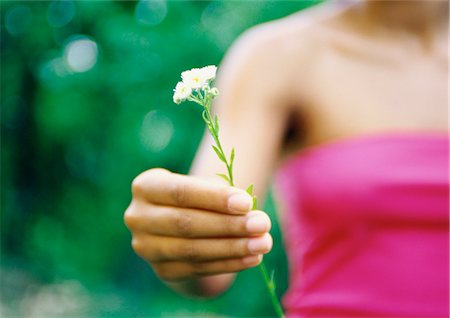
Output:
x,y
219,154
250,190
232,158
210,128
223,177
255,203
216,124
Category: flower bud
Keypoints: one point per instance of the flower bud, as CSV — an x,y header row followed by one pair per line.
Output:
x,y
214,91
177,100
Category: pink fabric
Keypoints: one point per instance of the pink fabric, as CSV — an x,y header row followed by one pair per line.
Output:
x,y
367,227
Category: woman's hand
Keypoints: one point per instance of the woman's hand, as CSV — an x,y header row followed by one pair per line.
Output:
x,y
185,227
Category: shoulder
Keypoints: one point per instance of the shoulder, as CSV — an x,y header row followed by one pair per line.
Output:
x,y
297,30
279,49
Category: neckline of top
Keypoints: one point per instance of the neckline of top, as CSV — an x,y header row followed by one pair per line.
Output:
x,y
353,140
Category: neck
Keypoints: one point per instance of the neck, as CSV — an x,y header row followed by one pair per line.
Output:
x,y
413,15
425,21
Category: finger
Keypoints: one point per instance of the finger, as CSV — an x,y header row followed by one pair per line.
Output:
x,y
163,249
174,271
190,223
165,188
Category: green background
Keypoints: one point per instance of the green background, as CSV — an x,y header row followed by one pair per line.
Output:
x,y
73,136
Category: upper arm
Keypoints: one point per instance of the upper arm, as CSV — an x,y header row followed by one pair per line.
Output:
x,y
252,112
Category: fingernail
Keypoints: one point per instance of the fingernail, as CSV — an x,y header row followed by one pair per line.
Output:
x,y
239,203
257,224
252,260
260,245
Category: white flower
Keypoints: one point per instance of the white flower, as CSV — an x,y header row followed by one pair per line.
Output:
x,y
194,78
209,72
197,78
181,92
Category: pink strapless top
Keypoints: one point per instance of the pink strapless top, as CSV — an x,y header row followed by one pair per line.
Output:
x,y
367,227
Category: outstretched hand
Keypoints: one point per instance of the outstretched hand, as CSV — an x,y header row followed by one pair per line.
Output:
x,y
186,227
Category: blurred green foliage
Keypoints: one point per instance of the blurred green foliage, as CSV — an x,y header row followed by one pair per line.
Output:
x,y
86,105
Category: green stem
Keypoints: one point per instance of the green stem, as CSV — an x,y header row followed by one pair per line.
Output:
x,y
271,288
269,283
215,136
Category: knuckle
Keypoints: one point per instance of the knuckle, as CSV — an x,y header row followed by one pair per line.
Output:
x,y
130,217
162,272
137,246
189,252
183,224
157,171
139,183
229,224
178,193
137,186
145,249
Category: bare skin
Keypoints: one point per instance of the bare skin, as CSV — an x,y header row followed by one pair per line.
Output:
x,y
337,71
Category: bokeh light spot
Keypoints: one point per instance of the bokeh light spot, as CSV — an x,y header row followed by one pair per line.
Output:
x,y
60,13
67,298
81,54
156,131
18,19
151,12
51,72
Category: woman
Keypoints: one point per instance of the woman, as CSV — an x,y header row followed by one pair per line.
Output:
x,y
361,87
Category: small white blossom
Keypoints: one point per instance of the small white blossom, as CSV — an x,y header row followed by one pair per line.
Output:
x,y
209,72
196,83
197,78
194,78
181,92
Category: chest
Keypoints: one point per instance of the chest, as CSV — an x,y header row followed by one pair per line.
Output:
x,y
354,89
